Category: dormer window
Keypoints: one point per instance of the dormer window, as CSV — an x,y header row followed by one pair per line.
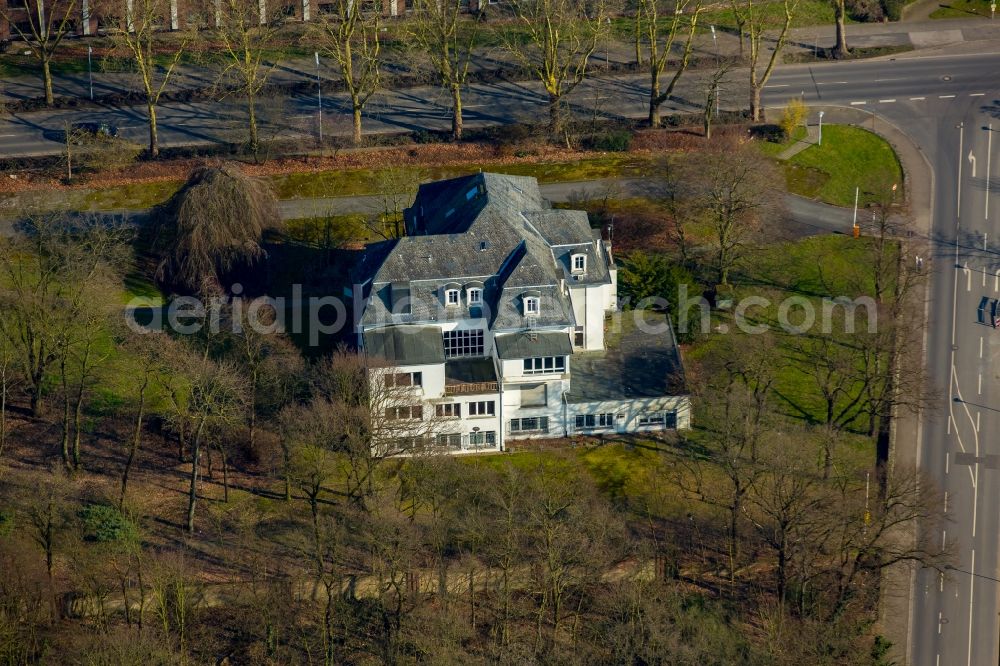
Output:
x,y
475,295
579,263
451,297
531,305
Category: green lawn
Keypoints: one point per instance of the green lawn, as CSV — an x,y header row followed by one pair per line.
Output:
x,y
360,182
962,9
850,157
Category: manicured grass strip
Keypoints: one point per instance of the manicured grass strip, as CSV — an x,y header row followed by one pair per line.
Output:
x,y
849,157
962,9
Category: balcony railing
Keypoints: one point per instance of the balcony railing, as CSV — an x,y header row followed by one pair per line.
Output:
x,y
471,388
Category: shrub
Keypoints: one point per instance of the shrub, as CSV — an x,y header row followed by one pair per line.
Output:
x,y
793,116
106,524
614,141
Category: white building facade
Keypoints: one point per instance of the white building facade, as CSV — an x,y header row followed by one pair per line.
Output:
x,y
480,319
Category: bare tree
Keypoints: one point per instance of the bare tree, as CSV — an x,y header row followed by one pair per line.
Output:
x,y
448,36
350,35
658,34
211,397
758,17
248,34
151,350
731,189
48,267
555,39
47,25
711,105
134,29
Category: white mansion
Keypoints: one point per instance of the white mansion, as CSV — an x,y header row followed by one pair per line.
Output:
x,y
494,319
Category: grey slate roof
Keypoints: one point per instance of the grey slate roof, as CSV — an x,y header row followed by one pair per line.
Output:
x,y
641,364
405,345
491,228
530,344
469,371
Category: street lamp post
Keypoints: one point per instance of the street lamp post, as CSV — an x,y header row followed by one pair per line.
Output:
x,y
958,190
319,99
607,48
90,71
820,138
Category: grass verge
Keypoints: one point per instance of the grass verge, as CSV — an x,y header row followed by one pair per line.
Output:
x,y
850,157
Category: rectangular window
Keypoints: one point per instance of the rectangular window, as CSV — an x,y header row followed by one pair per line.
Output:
x,y
410,412
578,336
451,410
606,420
451,440
482,439
475,296
579,263
545,364
451,297
463,343
471,194
404,379
530,424
531,306
482,408
671,421
651,418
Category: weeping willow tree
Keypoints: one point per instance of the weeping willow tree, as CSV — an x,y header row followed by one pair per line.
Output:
x,y
214,223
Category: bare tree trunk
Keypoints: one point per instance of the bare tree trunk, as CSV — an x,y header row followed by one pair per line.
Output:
x,y
64,440
840,50
133,448
252,119
195,461
357,125
154,144
654,99
456,113
755,108
47,78
225,475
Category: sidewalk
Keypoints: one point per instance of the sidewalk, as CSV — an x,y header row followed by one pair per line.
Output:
x,y
812,138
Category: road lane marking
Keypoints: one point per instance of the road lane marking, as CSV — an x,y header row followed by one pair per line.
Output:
x,y
950,418
886,101
978,413
980,389
947,463
940,582
944,538
857,103
972,592
917,99
980,346
939,622
778,85
945,96
976,94
946,501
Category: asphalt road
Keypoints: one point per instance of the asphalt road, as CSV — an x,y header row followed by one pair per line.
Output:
x,y
955,617
868,84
